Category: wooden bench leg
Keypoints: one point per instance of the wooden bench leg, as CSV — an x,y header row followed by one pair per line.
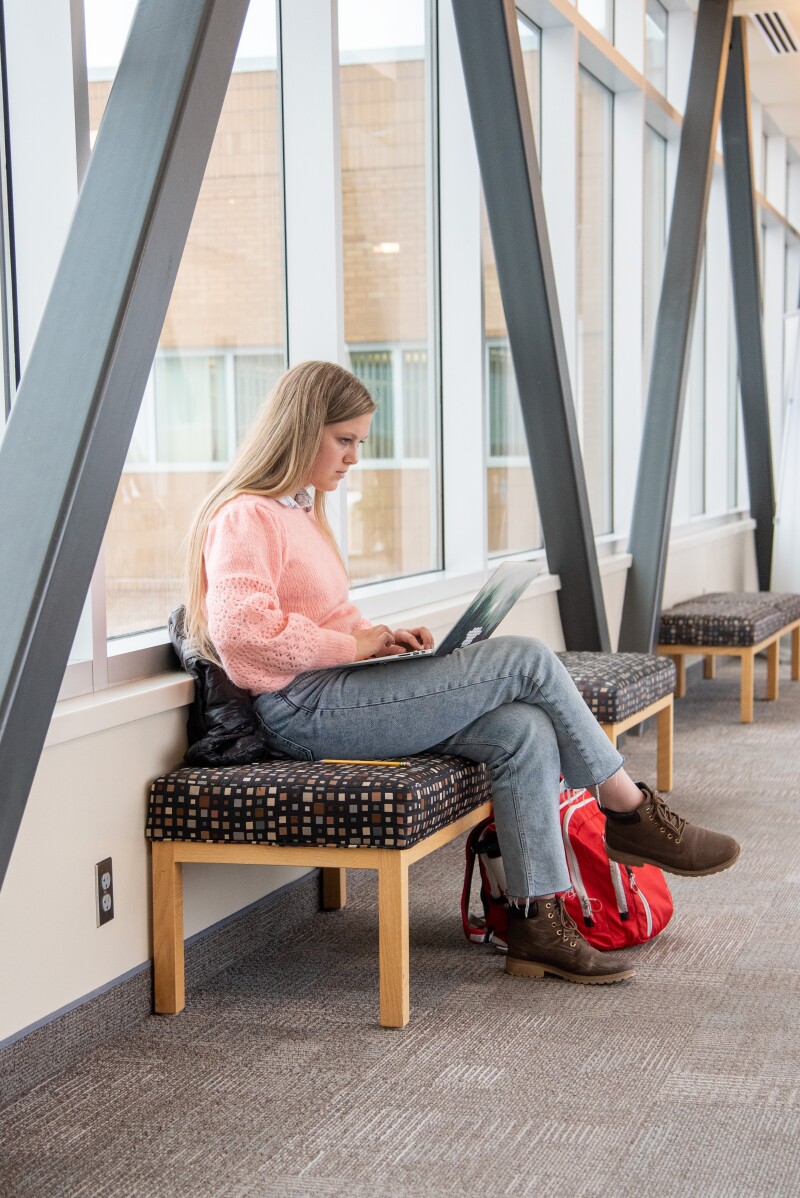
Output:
x,y
610,732
773,668
747,683
168,961
795,654
680,675
334,889
393,935
664,735
709,666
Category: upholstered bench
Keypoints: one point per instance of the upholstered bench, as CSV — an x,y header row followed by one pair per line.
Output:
x,y
331,816
733,624
622,690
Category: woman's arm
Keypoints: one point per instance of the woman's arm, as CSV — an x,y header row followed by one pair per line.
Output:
x,y
260,645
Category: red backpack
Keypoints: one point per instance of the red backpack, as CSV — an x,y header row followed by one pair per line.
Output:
x,y
613,905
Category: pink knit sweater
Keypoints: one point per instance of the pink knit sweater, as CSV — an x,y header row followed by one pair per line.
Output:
x,y
277,594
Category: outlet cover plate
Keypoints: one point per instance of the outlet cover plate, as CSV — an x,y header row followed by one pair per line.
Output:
x,y
104,891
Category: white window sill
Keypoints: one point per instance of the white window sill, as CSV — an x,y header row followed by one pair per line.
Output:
x,y
118,705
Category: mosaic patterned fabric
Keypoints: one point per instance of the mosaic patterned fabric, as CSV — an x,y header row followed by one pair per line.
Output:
x,y
299,802
617,685
728,618
789,604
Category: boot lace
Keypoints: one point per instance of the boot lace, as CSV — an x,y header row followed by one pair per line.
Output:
x,y
668,818
568,924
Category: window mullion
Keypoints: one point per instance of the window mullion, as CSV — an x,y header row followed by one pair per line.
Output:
x,y
313,214
97,599
463,420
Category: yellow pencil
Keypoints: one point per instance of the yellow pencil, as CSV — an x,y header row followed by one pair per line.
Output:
x,y
359,761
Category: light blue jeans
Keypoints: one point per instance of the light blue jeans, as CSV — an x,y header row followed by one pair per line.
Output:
x,y
508,702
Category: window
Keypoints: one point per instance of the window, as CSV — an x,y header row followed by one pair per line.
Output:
x,y
375,369
696,404
388,184
593,390
734,407
655,224
222,345
599,13
513,515
655,45
223,342
8,323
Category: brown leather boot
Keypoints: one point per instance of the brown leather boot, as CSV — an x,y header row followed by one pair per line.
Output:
x,y
651,834
547,940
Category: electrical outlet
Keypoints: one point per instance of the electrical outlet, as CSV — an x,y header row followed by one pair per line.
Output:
x,y
104,891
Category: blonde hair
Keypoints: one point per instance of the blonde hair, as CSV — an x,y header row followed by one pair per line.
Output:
x,y
274,460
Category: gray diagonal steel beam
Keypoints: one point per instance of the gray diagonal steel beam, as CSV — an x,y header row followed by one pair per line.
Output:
x,y
492,59
745,274
658,457
70,427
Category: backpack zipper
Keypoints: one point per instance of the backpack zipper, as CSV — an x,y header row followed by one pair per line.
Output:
x,y
572,861
619,890
636,889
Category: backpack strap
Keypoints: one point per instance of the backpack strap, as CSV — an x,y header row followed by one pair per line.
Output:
x,y
478,933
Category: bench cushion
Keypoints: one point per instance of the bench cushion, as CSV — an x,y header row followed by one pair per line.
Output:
x,y
618,685
729,618
788,603
299,802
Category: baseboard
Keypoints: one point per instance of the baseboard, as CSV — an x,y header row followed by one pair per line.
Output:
x,y
52,1045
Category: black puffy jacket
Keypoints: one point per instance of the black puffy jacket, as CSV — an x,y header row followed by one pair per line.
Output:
x,y
222,726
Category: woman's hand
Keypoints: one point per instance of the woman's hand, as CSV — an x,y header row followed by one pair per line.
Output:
x,y
377,641
414,639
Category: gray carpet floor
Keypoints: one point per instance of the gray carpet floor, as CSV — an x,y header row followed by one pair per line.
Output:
x,y
278,1081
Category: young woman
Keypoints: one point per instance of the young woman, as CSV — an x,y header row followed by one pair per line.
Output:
x,y
268,600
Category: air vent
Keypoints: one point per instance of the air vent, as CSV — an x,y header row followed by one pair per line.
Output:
x,y
777,31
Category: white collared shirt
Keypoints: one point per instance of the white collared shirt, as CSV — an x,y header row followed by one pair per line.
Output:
x,y
303,499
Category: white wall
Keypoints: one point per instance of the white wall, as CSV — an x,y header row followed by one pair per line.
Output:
x,y
88,802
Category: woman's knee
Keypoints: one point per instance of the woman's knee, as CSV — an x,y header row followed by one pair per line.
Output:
x,y
523,648
516,729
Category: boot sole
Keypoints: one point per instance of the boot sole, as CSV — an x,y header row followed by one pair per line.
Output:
x,y
533,969
638,859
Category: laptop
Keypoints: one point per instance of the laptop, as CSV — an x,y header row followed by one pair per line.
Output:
x,y
490,606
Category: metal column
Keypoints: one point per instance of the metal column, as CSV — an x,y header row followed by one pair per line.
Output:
x,y
70,427
493,70
658,458
745,275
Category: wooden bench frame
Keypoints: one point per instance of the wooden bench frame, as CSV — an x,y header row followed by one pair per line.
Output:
x,y
663,710
391,865
747,653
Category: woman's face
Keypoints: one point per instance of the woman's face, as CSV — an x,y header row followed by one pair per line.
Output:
x,y
338,451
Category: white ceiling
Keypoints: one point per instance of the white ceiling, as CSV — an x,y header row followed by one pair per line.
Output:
x,y
775,78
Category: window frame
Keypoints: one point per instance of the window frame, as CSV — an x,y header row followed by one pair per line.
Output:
x,y
454,318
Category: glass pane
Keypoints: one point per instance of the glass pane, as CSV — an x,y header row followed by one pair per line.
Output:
x,y
696,404
416,416
254,376
513,514
655,231
733,410
191,410
387,181
374,368
655,45
599,13
222,345
594,293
